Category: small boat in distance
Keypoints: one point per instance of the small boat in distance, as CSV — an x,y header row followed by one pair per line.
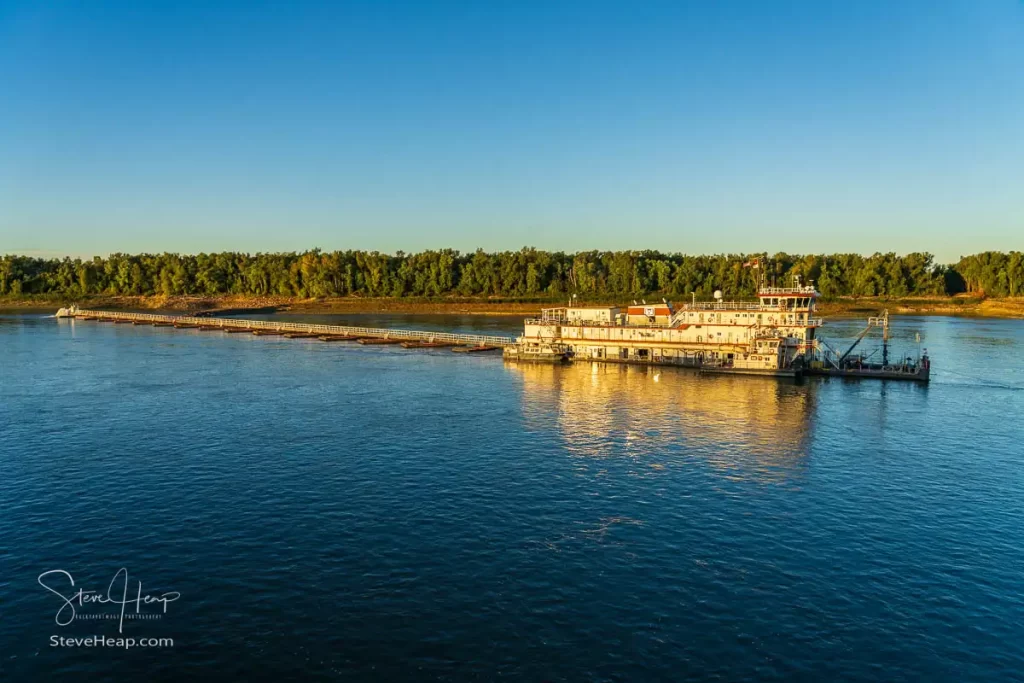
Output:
x,y
68,312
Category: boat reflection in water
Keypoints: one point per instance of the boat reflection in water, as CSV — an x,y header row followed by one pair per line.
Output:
x,y
662,418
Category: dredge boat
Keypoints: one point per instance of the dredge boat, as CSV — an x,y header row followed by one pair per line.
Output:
x,y
774,336
828,361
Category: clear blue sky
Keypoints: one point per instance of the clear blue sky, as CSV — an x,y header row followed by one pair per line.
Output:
x,y
810,126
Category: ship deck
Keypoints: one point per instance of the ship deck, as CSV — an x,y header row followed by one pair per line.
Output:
x,y
869,373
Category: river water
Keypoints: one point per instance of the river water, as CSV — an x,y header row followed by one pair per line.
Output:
x,y
311,511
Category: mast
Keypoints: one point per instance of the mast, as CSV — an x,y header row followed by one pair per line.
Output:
x,y
885,337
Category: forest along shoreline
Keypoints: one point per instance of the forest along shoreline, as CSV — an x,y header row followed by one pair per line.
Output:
x,y
446,281
965,306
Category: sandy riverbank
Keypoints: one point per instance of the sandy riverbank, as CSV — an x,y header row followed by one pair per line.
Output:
x,y
237,304
856,307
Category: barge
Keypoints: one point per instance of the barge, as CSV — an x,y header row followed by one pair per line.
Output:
x,y
774,336
827,361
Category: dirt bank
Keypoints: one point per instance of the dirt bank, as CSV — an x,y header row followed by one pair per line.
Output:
x,y
232,305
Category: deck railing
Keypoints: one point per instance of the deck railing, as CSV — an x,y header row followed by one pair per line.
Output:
x,y
806,289
592,323
724,306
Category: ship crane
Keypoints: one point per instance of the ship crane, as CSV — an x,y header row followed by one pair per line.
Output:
x,y
876,321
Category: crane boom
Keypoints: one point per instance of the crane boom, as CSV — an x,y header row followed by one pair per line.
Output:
x,y
877,321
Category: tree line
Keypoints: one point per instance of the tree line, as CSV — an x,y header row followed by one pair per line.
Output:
x,y
527,273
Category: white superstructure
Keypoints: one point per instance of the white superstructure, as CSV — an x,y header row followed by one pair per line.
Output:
x,y
773,335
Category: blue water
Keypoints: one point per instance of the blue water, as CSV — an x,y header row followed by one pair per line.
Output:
x,y
329,511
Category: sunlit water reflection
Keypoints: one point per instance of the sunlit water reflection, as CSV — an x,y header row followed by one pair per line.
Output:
x,y
362,512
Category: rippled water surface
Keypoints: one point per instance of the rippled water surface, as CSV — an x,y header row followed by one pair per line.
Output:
x,y
335,511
